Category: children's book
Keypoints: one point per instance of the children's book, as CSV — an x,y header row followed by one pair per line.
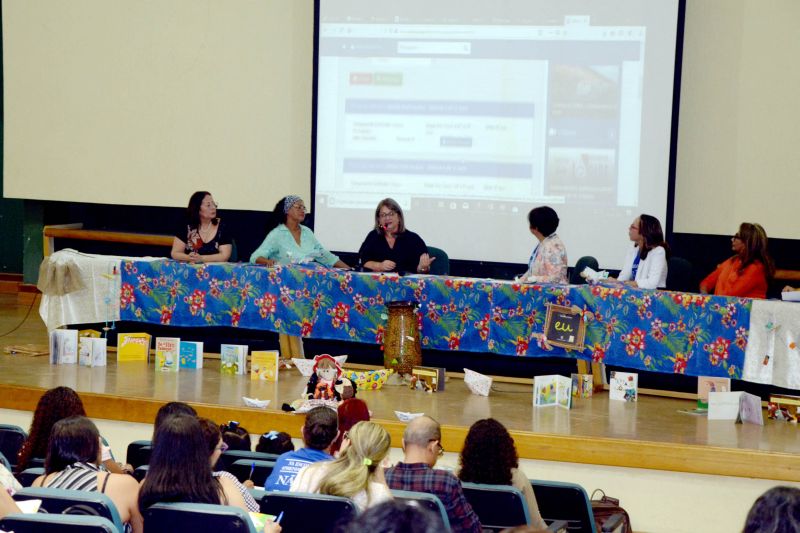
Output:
x,y
552,390
623,386
706,384
64,346
133,347
582,385
92,351
191,354
739,406
167,351
264,365
233,359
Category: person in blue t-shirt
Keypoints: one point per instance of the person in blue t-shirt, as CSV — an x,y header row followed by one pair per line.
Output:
x,y
319,432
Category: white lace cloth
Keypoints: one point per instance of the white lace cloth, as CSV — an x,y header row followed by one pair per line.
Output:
x,y
773,346
97,301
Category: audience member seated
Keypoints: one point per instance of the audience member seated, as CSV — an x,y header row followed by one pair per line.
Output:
x,y
350,412
215,448
319,432
357,473
490,457
646,263
747,273
548,261
235,436
275,442
72,462
395,516
202,238
775,511
54,405
171,409
7,504
390,247
180,468
422,445
291,242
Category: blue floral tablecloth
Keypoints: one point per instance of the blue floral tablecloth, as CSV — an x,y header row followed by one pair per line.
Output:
x,y
648,330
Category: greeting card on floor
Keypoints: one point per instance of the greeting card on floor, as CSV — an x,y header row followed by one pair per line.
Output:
x,y
623,386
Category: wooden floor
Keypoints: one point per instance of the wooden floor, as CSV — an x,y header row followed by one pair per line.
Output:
x,y
651,433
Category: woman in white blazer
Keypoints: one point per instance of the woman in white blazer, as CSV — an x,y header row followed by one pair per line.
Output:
x,y
646,262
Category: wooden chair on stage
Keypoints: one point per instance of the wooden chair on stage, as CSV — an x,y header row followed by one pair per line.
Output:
x,y
302,510
138,453
427,500
255,471
11,439
497,506
172,517
29,475
57,523
569,502
229,457
65,501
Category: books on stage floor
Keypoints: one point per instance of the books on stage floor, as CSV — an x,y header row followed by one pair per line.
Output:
x,y
431,377
191,355
167,353
739,406
92,351
706,384
582,385
623,386
264,365
233,359
64,346
552,390
133,347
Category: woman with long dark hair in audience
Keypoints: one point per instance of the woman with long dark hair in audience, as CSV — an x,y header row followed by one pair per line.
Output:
x,y
54,405
202,238
490,457
72,462
646,263
748,272
215,446
775,511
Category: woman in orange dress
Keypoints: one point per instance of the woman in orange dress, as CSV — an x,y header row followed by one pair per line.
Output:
x,y
747,273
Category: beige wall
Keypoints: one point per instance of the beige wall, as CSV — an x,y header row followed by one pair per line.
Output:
x,y
737,152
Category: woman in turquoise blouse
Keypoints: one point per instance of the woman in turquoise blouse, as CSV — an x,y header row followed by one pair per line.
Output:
x,y
291,242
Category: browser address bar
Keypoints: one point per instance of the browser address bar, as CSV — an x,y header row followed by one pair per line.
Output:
x,y
433,47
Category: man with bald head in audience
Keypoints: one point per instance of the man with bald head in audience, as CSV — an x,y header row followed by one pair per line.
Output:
x,y
422,446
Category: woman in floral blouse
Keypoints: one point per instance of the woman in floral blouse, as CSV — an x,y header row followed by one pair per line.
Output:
x,y
548,262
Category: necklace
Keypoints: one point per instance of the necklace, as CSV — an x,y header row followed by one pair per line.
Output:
x,y
205,233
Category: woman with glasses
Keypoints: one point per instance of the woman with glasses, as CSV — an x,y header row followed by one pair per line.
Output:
x,y
748,272
390,247
291,242
203,238
646,263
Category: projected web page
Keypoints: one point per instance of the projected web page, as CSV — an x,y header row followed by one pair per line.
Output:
x,y
469,125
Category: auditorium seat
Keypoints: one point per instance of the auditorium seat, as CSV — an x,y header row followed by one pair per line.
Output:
x,y
229,457
441,266
566,502
138,453
11,439
427,500
65,501
585,261
172,517
302,510
260,470
140,472
497,506
29,475
56,523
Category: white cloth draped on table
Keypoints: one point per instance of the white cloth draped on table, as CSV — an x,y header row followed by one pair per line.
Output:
x,y
773,351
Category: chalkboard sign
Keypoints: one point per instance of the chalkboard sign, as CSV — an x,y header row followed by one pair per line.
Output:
x,y
565,327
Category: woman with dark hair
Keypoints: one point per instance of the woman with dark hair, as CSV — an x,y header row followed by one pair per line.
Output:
x,y
775,511
180,468
490,457
748,272
390,247
171,409
203,238
646,262
291,242
54,405
548,261
351,412
215,446
72,462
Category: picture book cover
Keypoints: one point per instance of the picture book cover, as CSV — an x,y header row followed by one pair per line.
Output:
x,y
92,351
264,365
706,384
623,386
233,359
191,355
64,346
552,390
739,406
167,352
133,347
582,385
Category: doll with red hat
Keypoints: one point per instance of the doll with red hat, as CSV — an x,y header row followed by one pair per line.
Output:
x,y
327,382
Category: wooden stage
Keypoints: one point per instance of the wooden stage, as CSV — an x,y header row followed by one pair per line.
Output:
x,y
649,434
